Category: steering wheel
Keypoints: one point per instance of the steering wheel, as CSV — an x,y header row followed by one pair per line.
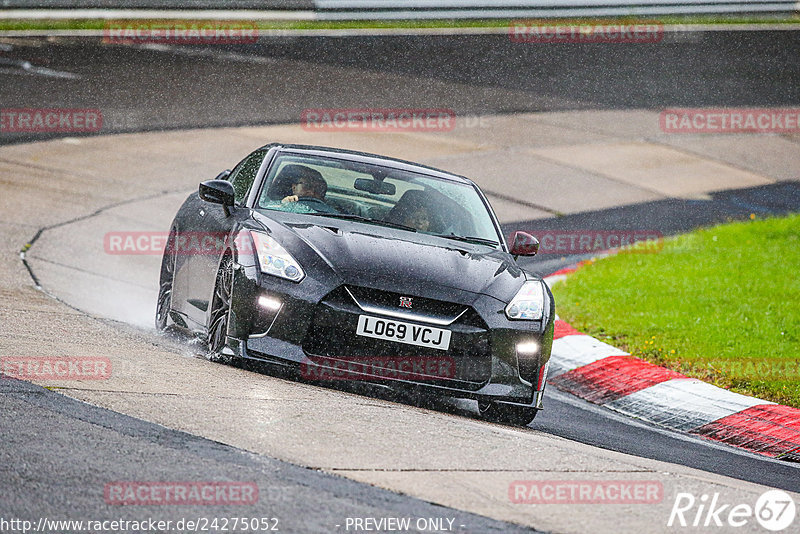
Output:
x,y
311,200
317,204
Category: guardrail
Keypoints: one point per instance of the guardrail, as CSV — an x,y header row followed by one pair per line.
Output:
x,y
270,5
416,9
430,9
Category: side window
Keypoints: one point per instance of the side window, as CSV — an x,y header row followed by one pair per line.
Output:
x,y
244,174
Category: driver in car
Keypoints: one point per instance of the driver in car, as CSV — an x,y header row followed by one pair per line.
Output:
x,y
308,193
308,186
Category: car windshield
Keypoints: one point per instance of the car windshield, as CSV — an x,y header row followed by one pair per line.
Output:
x,y
373,194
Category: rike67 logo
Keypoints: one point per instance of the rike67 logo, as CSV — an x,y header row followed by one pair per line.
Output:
x,y
774,510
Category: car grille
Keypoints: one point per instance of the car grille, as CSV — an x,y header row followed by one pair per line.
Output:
x,y
332,335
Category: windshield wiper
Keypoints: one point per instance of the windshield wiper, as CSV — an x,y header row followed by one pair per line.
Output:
x,y
469,239
352,217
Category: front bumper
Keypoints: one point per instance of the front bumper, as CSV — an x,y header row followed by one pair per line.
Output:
x,y
312,325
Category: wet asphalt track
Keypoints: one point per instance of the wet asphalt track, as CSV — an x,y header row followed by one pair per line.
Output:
x,y
144,89
148,87
66,451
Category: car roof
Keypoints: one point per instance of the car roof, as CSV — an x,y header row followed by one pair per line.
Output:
x,y
366,157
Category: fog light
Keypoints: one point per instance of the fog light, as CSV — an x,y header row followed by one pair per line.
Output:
x,y
269,303
527,347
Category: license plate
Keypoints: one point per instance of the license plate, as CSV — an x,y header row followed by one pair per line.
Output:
x,y
412,334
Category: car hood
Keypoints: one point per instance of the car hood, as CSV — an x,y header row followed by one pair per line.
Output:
x,y
380,258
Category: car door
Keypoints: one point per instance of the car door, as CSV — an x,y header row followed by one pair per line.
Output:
x,y
214,224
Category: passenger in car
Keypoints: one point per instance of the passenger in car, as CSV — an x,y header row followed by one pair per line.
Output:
x,y
418,218
417,209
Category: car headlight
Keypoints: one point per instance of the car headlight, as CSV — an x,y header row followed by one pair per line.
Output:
x,y
528,303
273,258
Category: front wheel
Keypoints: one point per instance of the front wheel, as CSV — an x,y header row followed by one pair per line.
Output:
x,y
220,313
507,413
164,303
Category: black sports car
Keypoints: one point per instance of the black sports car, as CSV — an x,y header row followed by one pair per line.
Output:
x,y
355,266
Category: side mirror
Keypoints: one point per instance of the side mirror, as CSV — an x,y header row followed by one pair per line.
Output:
x,y
524,244
218,192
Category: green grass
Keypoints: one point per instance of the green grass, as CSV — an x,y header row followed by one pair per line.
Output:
x,y
721,304
99,24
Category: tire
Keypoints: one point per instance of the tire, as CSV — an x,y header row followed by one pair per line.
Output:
x,y
507,413
164,302
220,313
